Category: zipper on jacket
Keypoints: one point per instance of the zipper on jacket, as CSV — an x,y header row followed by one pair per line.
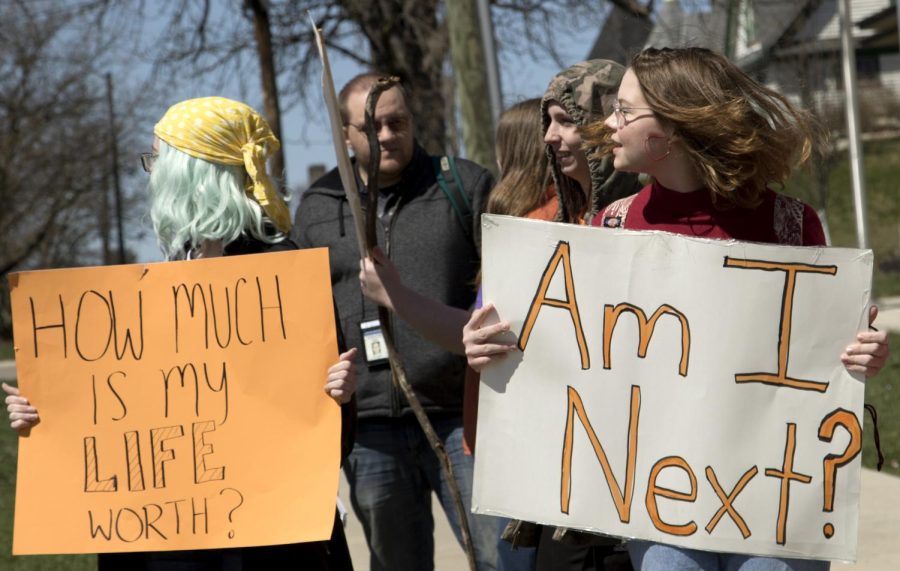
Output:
x,y
396,405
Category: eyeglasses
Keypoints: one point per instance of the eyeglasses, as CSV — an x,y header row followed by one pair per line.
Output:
x,y
148,159
394,125
621,113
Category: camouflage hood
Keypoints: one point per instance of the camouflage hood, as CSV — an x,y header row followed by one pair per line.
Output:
x,y
586,91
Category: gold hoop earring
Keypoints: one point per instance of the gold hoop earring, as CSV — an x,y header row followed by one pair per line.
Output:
x,y
650,153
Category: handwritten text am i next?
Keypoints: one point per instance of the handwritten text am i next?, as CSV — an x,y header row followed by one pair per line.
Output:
x,y
690,391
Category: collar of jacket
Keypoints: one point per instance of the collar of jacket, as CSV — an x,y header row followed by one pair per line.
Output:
x,y
411,174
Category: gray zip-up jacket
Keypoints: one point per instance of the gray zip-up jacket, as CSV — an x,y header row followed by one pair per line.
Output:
x,y
434,255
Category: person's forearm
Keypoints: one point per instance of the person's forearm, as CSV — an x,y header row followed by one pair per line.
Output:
x,y
439,323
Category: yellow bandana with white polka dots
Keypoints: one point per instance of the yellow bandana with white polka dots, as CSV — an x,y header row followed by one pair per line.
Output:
x,y
228,132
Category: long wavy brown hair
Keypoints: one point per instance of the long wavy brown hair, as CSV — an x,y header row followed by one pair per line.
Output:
x,y
523,163
740,135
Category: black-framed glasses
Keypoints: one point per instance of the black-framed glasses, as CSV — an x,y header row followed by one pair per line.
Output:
x,y
621,112
148,160
394,124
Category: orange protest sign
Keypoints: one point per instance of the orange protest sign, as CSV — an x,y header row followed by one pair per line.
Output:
x,y
181,404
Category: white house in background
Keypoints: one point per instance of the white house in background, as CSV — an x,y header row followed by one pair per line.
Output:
x,y
806,48
789,44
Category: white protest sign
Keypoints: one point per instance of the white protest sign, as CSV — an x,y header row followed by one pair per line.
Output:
x,y
674,389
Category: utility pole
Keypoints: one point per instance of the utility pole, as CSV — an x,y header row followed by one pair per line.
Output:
x,y
103,217
468,54
848,65
731,20
114,152
491,66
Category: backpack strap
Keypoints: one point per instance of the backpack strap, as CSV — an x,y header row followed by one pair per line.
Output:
x,y
449,181
788,220
614,215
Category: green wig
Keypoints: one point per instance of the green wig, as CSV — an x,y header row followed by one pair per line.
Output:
x,y
193,200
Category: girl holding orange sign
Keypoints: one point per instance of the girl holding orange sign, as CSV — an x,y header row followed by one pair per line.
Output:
x,y
211,196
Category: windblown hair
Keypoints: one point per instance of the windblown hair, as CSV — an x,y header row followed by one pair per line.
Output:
x,y
193,200
363,82
523,162
740,135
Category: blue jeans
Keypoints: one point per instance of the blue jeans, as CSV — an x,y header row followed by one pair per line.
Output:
x,y
392,472
647,556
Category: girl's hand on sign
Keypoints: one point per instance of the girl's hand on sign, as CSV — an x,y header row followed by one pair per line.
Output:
x,y
342,378
480,351
379,278
22,416
870,352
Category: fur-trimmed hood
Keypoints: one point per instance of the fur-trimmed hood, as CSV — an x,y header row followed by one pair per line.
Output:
x,y
586,91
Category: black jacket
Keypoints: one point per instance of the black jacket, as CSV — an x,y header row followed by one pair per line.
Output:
x,y
435,256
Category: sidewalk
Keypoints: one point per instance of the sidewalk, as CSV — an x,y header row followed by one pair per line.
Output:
x,y
889,314
7,370
879,524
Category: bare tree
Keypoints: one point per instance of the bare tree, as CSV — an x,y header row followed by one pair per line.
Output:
x,y
54,151
402,38
405,38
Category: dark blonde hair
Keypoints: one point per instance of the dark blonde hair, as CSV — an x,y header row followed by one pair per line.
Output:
x,y
740,135
520,152
363,82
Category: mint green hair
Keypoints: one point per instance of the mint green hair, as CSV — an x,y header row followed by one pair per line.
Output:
x,y
193,200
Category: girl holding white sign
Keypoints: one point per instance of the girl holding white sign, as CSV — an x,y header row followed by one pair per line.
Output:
x,y
714,140
211,196
730,149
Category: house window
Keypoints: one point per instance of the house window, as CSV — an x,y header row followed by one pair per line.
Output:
x,y
867,67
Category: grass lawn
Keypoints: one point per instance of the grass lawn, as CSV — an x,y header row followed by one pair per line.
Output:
x,y
882,163
884,392
6,349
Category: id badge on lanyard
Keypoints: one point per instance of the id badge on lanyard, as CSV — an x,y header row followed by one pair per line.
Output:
x,y
373,342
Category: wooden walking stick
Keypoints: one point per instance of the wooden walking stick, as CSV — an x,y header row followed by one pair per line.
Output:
x,y
366,239
385,317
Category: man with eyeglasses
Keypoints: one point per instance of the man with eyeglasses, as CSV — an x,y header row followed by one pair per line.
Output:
x,y
436,250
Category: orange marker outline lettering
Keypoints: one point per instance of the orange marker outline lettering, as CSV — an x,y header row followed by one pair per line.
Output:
x,y
646,327
653,491
728,500
848,420
784,332
561,254
786,474
622,501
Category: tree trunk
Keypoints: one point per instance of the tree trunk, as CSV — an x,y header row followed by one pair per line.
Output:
x,y
114,167
263,33
407,41
467,50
